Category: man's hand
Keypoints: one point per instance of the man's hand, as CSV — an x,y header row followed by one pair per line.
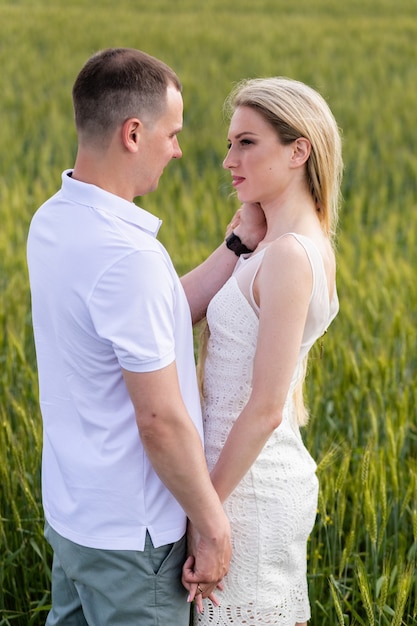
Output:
x,y
249,224
206,566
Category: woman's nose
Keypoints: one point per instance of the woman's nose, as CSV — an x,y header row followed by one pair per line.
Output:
x,y
228,160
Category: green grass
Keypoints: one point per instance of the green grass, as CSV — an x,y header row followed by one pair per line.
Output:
x,y
362,57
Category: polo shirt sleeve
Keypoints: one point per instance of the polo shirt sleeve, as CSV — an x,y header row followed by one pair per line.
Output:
x,y
132,308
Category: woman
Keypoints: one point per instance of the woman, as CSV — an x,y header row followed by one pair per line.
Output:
x,y
285,154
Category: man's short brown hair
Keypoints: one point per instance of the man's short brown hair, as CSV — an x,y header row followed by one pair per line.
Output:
x,y
116,84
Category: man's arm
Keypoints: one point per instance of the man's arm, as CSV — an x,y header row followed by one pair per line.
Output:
x,y
174,448
203,282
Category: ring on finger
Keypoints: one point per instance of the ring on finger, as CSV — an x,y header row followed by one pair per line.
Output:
x,y
199,589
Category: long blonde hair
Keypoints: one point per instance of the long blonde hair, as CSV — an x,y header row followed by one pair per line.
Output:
x,y
295,110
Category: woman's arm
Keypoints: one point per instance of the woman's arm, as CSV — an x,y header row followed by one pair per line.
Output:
x,y
283,286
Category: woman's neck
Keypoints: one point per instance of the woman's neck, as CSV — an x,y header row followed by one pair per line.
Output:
x,y
299,216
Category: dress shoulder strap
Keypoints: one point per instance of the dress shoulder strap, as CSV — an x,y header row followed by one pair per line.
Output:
x,y
245,274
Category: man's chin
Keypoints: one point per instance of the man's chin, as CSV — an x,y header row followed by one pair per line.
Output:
x,y
154,185
147,190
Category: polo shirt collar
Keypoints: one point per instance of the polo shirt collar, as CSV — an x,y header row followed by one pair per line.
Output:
x,y
93,196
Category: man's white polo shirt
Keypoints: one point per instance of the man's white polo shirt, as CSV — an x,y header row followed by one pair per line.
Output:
x,y
104,295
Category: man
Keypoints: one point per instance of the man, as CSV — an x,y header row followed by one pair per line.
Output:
x,y
123,463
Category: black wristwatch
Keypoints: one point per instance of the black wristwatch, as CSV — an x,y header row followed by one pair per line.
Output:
x,y
234,243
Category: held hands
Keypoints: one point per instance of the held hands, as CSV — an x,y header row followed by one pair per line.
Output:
x,y
205,567
249,224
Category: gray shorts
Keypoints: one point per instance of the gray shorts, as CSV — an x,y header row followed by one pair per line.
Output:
x,y
117,587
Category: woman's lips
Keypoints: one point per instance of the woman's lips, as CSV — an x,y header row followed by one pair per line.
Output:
x,y
237,180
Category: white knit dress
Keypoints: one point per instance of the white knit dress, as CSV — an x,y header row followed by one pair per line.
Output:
x,y
272,510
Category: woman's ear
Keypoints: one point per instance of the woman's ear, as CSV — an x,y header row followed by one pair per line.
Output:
x,y
301,151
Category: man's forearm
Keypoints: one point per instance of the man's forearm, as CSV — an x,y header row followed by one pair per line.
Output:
x,y
204,281
173,445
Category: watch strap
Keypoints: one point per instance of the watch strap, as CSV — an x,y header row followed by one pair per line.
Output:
x,y
234,243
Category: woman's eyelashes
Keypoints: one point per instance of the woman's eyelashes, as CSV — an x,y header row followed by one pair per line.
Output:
x,y
242,142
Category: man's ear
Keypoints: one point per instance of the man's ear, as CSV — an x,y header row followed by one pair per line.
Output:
x,y
301,151
131,130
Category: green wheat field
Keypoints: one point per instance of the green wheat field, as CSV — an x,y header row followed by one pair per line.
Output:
x,y
362,56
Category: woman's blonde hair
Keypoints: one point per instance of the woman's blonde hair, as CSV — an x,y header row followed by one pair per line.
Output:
x,y
296,110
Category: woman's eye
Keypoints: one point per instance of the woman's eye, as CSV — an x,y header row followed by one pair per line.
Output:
x,y
242,142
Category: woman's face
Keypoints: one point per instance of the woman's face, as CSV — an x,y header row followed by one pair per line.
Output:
x,y
258,162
